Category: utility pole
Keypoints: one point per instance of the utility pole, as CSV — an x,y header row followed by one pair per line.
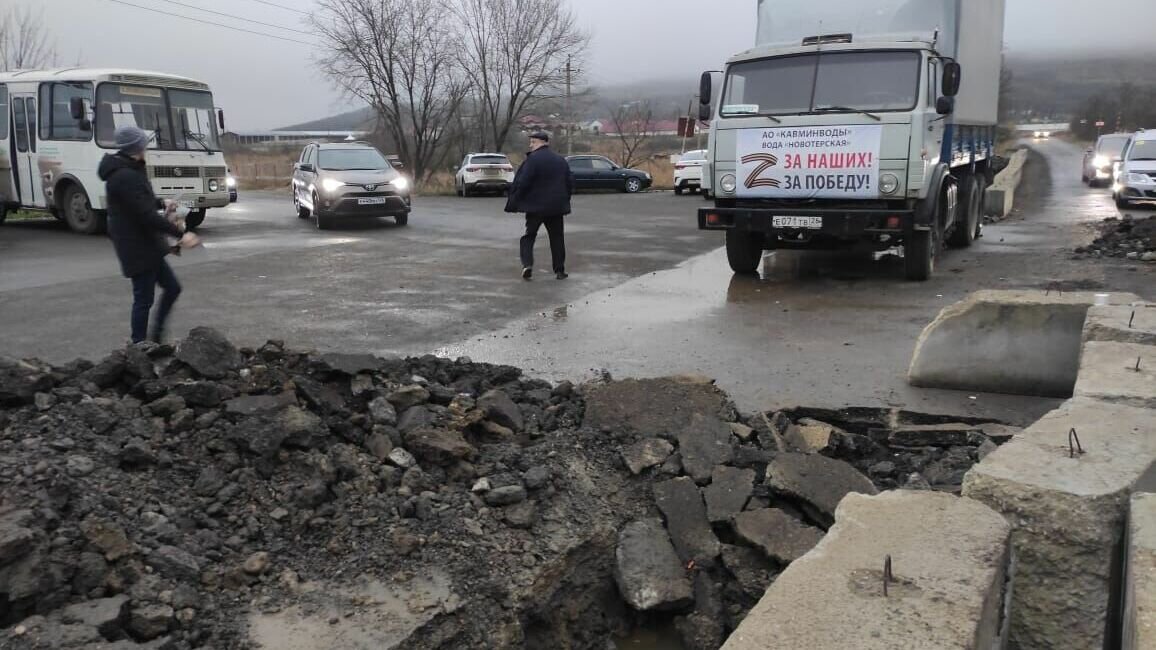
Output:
x,y
569,109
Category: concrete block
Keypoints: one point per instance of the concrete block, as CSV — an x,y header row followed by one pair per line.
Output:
x,y
1140,576
1122,324
1001,194
949,564
1068,516
1108,371
1012,342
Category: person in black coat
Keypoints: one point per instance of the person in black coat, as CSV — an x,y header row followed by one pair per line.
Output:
x,y
138,231
542,189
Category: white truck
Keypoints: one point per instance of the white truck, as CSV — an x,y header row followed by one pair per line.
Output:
x,y
856,124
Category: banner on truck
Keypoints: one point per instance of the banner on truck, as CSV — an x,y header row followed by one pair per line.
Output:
x,y
815,162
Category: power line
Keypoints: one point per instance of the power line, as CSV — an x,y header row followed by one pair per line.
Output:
x,y
274,4
248,20
207,22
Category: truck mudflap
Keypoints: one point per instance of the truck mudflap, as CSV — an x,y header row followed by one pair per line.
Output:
x,y
803,225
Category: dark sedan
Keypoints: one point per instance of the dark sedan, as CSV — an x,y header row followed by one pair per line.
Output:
x,y
601,173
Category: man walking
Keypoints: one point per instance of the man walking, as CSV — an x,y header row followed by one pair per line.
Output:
x,y
542,189
138,231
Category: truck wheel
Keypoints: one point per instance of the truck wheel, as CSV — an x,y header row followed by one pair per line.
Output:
x,y
3,213
79,214
919,255
969,213
195,219
744,251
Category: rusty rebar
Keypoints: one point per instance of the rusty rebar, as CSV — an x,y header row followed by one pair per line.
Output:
x,y
887,577
1074,445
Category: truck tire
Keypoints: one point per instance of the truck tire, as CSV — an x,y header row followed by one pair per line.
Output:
x,y
78,212
970,212
744,251
3,213
195,219
919,255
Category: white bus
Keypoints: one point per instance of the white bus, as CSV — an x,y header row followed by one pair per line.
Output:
x,y
56,125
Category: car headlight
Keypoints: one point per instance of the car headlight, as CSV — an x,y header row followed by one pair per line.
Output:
x,y
230,182
647,175
728,183
889,183
1142,179
214,185
1101,161
331,185
401,183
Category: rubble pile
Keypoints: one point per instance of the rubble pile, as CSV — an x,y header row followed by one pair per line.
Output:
x,y
1128,238
203,496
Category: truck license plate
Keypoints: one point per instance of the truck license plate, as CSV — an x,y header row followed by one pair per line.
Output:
x,y
378,200
809,223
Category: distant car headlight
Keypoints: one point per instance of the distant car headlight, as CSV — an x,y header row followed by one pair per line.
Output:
x,y
728,183
1140,179
230,182
331,185
401,183
214,185
889,183
1101,161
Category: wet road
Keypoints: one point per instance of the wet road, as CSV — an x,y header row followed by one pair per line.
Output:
x,y
650,295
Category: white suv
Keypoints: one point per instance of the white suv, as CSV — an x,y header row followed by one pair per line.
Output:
x,y
484,172
1136,178
688,171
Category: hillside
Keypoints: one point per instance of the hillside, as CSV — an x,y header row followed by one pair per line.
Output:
x,y
1059,85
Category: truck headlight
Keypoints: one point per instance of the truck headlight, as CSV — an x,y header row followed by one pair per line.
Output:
x,y
331,185
230,182
728,183
889,183
214,185
401,183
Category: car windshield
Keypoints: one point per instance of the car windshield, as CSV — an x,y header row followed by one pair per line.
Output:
x,y
1143,150
489,160
693,155
194,119
344,160
809,83
1113,146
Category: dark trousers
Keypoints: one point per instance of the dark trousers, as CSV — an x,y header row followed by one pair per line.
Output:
x,y
143,292
557,240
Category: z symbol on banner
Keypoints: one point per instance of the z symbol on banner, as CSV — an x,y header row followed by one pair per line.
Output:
x,y
766,161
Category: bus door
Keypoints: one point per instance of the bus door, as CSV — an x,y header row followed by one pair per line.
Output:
x,y
24,138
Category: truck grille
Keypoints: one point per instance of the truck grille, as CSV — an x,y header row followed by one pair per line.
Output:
x,y
176,172
216,172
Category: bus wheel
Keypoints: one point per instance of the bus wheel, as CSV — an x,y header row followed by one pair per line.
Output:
x,y
79,213
195,219
3,213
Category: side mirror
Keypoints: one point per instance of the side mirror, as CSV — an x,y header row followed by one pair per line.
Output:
x,y
952,77
705,96
945,105
76,108
221,118
85,125
306,167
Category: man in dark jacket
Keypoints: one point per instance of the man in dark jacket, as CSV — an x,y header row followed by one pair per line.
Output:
x,y
138,231
542,189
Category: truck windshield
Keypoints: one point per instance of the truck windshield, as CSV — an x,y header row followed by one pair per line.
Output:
x,y
809,83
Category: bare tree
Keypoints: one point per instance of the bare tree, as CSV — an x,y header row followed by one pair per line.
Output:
x,y
634,127
516,53
25,42
397,56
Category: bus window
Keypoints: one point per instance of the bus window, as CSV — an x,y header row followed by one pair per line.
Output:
x,y
120,105
20,118
56,121
3,112
194,120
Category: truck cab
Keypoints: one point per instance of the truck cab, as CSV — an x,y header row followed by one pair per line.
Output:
x,y
844,140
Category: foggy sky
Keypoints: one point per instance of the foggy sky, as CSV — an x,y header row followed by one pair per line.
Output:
x,y
266,83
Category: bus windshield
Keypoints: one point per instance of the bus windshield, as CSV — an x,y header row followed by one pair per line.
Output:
x,y
835,82
177,120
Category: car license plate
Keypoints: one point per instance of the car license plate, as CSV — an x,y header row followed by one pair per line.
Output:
x,y
493,172
809,223
377,200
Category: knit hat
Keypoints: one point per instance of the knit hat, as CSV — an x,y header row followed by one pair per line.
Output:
x,y
131,140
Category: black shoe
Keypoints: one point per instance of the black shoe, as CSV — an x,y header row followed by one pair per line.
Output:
x,y
561,275
527,273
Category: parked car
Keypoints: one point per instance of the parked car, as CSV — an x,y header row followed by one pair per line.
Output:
x,y
1136,179
348,180
484,172
231,183
688,172
1100,159
601,173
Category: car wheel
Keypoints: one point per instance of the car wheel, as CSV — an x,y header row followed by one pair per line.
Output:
x,y
302,211
402,219
79,213
678,191
633,186
195,219
1123,203
466,191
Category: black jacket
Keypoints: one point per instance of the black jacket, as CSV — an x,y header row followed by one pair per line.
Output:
x,y
543,185
136,229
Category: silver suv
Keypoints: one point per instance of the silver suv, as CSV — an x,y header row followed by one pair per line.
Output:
x,y
348,180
